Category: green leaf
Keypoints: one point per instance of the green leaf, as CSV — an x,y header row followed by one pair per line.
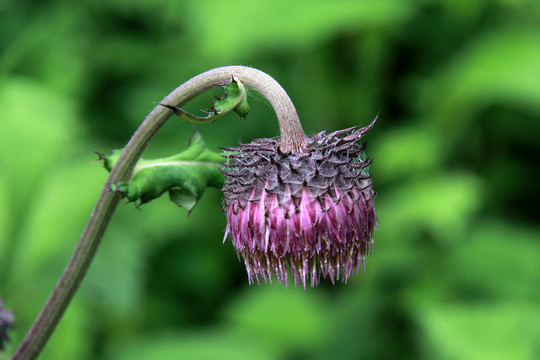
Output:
x,y
235,98
185,175
183,198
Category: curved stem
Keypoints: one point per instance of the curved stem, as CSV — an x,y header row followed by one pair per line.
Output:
x,y
292,140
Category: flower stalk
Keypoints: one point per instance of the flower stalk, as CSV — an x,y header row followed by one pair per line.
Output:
x,y
293,140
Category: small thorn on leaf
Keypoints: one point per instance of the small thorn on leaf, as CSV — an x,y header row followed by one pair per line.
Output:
x,y
101,156
116,189
175,109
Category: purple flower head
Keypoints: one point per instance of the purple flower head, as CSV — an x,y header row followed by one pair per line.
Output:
x,y
6,323
311,213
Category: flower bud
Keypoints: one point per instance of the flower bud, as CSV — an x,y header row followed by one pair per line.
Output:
x,y
309,213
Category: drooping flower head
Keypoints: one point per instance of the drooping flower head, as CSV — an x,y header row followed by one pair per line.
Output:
x,y
310,213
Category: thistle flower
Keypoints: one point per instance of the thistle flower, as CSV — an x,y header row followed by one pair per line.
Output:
x,y
311,212
6,323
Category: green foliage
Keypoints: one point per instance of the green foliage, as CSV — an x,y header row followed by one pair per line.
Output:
x,y
455,150
235,98
185,175
476,332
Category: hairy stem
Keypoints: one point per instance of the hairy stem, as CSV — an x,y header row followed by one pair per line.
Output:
x,y
292,140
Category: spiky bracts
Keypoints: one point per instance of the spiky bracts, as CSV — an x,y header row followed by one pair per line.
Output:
x,y
311,213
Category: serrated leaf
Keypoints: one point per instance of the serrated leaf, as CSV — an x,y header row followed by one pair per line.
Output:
x,y
235,98
185,175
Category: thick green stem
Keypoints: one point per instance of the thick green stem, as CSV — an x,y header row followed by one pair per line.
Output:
x,y
292,140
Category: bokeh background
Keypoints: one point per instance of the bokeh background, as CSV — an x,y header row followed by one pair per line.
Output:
x,y
456,268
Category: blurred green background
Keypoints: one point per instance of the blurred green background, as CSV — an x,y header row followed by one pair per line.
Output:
x,y
456,268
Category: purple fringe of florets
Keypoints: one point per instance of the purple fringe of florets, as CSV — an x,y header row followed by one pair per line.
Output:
x,y
310,213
